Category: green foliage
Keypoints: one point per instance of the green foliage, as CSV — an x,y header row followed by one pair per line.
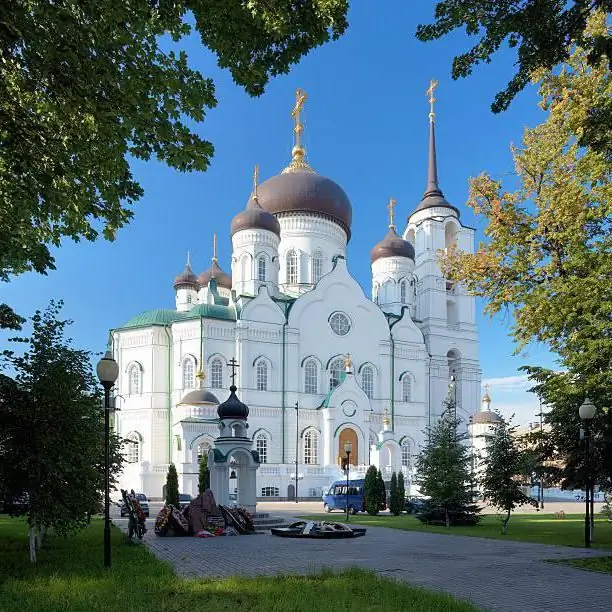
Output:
x,y
382,491
504,466
542,31
172,486
371,491
396,502
204,475
401,489
86,86
52,428
443,468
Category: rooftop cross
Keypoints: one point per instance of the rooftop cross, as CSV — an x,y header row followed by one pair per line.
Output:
x,y
215,247
300,99
233,364
430,93
255,181
391,207
188,259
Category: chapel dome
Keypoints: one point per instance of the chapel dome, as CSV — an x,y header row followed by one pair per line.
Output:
x,y
392,245
199,396
232,407
223,279
255,217
302,190
186,278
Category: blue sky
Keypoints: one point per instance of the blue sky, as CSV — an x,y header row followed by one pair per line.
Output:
x,y
366,127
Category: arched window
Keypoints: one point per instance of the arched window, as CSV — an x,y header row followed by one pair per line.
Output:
x,y
261,268
216,374
203,449
262,375
189,298
261,446
132,448
188,373
245,264
311,383
292,268
134,380
311,447
317,267
335,372
367,381
403,292
405,453
406,388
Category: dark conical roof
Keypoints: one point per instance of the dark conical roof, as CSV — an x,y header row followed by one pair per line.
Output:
x,y
433,196
232,407
223,279
186,278
255,217
392,245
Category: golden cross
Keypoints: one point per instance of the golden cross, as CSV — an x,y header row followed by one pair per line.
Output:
x,y
215,246
391,206
300,99
255,181
430,93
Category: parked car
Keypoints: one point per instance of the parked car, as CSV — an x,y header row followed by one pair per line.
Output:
x,y
184,500
414,505
16,506
142,500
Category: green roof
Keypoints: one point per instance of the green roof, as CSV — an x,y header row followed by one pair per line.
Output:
x,y
165,316
325,403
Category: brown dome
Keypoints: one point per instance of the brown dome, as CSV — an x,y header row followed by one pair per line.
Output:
x,y
307,192
392,246
199,396
186,278
255,217
223,279
486,416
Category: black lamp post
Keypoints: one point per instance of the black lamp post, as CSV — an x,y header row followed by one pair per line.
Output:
x,y
108,371
587,412
348,448
297,447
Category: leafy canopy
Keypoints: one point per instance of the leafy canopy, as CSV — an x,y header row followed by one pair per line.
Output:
x,y
86,86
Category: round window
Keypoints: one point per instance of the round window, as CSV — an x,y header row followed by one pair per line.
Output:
x,y
340,324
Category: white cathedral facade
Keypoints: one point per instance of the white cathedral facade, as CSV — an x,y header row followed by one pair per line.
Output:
x,y
320,363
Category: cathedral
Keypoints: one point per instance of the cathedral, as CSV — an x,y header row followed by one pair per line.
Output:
x,y
318,363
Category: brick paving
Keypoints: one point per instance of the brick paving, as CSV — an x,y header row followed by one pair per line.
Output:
x,y
495,575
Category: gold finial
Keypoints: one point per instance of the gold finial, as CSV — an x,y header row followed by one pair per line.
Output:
x,y
486,398
386,419
255,181
391,207
200,374
430,93
348,362
215,260
298,164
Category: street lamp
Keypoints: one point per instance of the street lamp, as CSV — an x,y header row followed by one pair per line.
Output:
x,y
297,447
108,371
587,412
348,447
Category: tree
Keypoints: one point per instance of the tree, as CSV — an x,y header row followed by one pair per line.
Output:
x,y
542,31
204,476
443,468
52,430
382,491
172,487
86,86
549,241
371,491
396,503
401,491
501,480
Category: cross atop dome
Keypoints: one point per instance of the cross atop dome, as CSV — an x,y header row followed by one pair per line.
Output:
x,y
298,163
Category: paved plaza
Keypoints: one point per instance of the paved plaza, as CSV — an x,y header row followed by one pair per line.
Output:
x,y
504,576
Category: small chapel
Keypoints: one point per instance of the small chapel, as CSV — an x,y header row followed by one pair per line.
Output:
x,y
318,362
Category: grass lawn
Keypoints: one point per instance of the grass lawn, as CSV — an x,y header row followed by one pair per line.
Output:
x,y
70,576
541,528
598,564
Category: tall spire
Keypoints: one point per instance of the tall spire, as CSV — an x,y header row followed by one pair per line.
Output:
x,y
298,163
432,172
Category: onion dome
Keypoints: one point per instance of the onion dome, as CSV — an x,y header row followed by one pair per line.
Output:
x,y
198,397
392,245
485,415
186,278
232,407
255,217
223,278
